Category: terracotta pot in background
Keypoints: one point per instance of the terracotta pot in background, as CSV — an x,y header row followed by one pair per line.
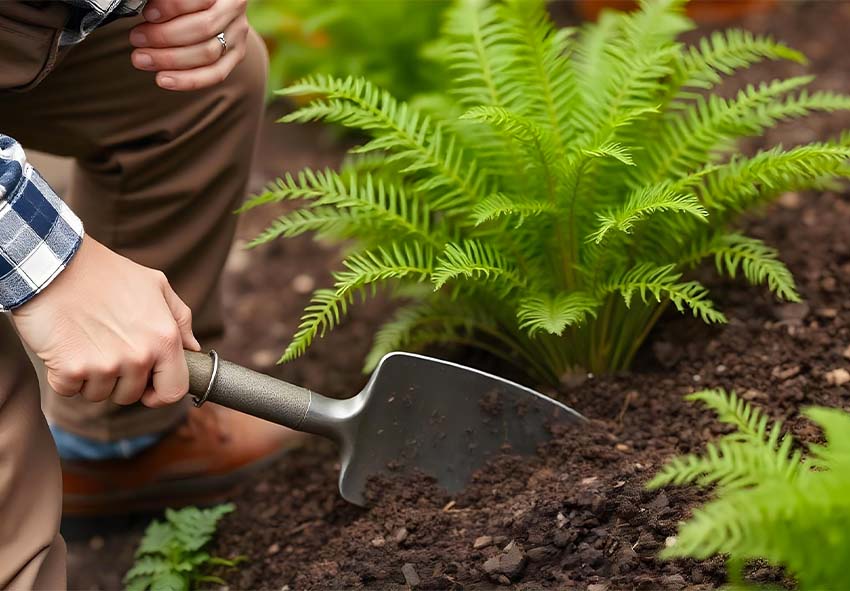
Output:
x,y
703,11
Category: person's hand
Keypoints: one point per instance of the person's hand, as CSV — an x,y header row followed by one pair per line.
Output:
x,y
109,328
179,42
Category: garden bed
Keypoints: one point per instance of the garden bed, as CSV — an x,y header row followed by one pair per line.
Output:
x,y
577,514
578,511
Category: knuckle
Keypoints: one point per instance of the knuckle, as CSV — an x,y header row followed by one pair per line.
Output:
x,y
75,372
108,368
168,337
140,360
209,25
60,386
213,51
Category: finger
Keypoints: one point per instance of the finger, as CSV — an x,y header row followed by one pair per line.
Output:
x,y
183,317
98,387
201,77
193,56
131,385
64,384
158,11
170,380
184,30
178,58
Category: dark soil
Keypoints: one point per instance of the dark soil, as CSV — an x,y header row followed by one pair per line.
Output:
x,y
577,515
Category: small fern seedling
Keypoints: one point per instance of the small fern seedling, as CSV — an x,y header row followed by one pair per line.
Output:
x,y
770,502
171,555
554,204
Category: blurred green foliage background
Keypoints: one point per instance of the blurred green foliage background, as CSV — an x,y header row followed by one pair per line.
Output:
x,y
381,39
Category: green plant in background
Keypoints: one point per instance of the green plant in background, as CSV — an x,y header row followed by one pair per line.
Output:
x,y
375,38
171,556
574,178
770,502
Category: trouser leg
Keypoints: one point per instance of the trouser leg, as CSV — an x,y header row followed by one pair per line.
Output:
x,y
32,553
158,176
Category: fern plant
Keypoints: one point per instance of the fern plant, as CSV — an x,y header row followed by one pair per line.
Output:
x,y
770,502
170,556
572,180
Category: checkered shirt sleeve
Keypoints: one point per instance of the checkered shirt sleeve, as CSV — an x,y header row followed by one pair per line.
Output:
x,y
38,233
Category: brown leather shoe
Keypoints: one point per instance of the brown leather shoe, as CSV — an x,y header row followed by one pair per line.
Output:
x,y
200,462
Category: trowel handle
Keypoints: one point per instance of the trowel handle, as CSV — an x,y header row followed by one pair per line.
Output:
x,y
214,380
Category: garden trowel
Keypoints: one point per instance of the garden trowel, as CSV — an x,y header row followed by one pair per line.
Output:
x,y
415,414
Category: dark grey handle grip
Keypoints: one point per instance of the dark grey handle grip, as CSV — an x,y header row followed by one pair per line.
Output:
x,y
248,391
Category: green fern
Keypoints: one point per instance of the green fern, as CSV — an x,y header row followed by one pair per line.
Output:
x,y
770,502
170,555
568,184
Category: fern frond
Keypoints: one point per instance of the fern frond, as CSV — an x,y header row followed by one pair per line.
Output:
x,y
404,330
324,311
646,202
500,204
405,133
308,184
476,54
733,410
546,87
685,140
472,259
659,282
725,52
758,262
396,261
744,182
612,150
325,221
553,314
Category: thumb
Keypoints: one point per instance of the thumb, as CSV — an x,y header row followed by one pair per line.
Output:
x,y
183,317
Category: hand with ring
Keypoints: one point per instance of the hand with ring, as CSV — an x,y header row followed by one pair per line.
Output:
x,y
190,44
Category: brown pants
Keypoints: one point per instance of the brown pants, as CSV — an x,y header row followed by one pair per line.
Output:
x,y
157,177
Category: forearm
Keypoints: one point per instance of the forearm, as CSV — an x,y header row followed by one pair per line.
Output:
x,y
39,234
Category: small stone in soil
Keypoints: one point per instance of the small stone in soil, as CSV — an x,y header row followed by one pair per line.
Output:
x,y
378,542
482,542
838,377
560,520
273,549
597,587
670,541
400,535
785,374
503,580
509,563
410,576
753,394
541,553
846,352
303,284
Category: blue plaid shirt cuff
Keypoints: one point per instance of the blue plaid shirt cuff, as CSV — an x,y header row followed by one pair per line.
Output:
x,y
39,234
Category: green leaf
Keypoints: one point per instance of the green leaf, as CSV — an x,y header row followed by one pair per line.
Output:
x,y
643,203
476,260
553,314
500,205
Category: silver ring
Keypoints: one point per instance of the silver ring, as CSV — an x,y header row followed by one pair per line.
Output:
x,y
213,376
223,43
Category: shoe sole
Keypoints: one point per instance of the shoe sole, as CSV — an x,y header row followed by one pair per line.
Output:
x,y
198,490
